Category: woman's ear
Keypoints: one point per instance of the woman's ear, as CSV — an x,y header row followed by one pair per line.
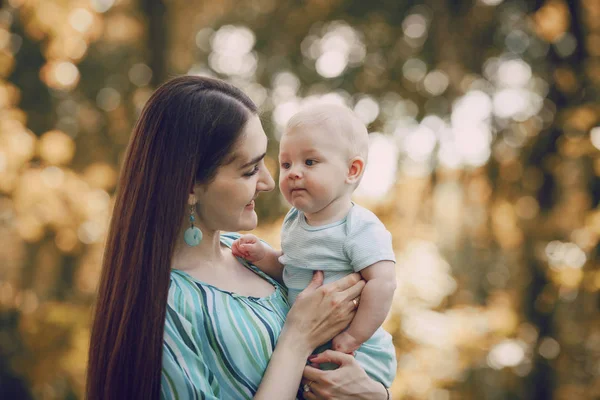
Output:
x,y
356,169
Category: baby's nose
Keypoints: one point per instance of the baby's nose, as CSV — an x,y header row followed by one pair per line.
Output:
x,y
294,173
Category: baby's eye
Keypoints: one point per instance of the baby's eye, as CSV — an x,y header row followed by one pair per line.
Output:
x,y
285,165
309,162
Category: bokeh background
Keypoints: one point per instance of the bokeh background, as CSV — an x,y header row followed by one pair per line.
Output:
x,y
484,165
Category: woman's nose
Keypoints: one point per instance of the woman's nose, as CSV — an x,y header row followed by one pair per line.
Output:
x,y
266,182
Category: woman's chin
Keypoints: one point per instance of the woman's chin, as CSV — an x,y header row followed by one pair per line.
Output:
x,y
249,222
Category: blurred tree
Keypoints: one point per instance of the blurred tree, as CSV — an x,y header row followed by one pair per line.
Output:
x,y
490,106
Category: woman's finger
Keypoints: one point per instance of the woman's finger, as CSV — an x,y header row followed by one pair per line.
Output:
x,y
310,396
315,389
354,291
312,374
351,312
331,356
316,281
346,282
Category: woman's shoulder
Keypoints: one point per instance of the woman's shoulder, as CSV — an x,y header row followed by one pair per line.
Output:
x,y
228,237
183,291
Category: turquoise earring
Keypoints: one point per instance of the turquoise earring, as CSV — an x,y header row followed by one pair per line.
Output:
x,y
192,235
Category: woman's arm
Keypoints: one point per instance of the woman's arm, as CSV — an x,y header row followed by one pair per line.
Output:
x,y
284,372
318,314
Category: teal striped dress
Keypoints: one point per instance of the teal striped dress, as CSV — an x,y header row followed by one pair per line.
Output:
x,y
217,344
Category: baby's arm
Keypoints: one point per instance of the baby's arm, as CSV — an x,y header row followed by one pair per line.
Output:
x,y
375,303
258,253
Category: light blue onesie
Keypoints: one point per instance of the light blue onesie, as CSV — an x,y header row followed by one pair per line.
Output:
x,y
339,249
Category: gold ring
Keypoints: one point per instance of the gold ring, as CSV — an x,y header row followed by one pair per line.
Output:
x,y
355,302
306,386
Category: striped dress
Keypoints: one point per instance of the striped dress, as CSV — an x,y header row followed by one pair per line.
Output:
x,y
217,344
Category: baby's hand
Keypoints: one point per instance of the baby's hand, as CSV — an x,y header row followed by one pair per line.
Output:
x,y
345,342
249,247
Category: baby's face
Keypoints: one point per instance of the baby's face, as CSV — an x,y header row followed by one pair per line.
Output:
x,y
313,166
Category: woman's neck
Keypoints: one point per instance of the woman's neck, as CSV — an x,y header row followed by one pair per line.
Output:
x,y
208,253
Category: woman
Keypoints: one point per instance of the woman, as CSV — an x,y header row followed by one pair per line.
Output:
x,y
177,315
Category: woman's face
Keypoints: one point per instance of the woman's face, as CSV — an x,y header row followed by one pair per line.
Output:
x,y
227,203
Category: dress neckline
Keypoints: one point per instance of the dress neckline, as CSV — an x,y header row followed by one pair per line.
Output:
x,y
246,264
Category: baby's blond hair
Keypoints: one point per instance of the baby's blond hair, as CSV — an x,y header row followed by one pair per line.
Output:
x,y
339,119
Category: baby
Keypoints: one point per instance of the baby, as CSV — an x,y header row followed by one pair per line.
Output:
x,y
323,154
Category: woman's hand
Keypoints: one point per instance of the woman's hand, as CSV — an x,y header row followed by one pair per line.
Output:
x,y
321,311
349,381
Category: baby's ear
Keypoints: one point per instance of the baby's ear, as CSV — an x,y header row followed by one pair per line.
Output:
x,y
355,170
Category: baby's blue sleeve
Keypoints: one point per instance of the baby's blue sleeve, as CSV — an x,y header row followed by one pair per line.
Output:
x,y
368,242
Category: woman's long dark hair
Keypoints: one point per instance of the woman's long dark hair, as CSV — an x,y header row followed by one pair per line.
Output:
x,y
186,131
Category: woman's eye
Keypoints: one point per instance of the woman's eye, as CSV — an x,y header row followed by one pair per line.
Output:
x,y
309,162
253,172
